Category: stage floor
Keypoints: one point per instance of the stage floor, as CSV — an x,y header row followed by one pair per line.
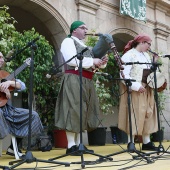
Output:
x,y
120,161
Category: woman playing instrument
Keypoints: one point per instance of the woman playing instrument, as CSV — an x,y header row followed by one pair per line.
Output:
x,y
143,107
15,120
67,112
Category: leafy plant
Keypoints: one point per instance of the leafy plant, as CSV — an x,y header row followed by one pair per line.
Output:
x,y
107,88
44,90
161,101
7,30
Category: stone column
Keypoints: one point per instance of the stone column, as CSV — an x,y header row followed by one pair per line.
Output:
x,y
87,12
161,36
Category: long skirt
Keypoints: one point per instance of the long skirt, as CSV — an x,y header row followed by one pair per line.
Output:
x,y
143,112
15,121
67,111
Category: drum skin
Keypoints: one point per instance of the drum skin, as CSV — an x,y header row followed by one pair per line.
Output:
x,y
160,79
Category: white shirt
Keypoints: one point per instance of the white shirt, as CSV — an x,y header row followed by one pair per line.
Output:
x,y
135,71
68,50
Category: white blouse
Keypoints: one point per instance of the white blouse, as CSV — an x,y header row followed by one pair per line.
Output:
x,y
135,71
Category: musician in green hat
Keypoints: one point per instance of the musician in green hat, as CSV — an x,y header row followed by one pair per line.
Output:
x,y
75,25
67,111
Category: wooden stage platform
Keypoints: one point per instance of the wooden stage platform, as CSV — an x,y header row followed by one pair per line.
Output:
x,y
121,161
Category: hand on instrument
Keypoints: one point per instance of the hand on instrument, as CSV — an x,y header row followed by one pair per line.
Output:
x,y
105,59
97,62
156,57
141,89
5,85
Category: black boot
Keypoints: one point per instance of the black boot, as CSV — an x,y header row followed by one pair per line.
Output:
x,y
149,146
73,151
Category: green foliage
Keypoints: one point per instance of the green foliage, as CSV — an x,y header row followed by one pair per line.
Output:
x,y
44,90
104,97
42,60
161,101
106,86
7,30
113,69
91,41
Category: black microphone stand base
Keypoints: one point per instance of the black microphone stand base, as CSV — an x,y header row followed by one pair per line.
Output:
x,y
4,167
131,149
80,152
29,158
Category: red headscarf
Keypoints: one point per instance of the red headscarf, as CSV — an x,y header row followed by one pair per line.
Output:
x,y
138,38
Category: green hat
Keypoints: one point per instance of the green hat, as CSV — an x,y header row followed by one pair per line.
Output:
x,y
75,25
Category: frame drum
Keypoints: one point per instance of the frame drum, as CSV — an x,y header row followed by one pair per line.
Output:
x,y
161,81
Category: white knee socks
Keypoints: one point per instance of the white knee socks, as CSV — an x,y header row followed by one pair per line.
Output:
x,y
70,139
73,139
129,138
146,139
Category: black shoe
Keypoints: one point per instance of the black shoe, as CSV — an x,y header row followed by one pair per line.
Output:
x,y
73,151
149,146
89,151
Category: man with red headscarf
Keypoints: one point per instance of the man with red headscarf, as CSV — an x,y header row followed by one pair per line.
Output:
x,y
143,107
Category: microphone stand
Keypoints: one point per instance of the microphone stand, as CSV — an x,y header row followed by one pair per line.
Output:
x,y
131,146
29,158
160,147
81,149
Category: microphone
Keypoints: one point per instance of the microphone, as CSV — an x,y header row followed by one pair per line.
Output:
x,y
98,34
79,55
84,50
52,71
8,57
102,74
165,55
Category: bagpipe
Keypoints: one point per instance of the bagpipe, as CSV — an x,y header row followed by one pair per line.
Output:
x,y
105,44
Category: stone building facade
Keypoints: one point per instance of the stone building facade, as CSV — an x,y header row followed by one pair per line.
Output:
x,y
52,19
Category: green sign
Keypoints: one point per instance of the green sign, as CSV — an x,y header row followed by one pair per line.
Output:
x,y
133,8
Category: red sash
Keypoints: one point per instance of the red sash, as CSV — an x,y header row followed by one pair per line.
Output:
x,y
85,73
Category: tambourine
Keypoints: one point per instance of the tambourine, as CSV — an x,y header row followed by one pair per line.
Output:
x,y
161,81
